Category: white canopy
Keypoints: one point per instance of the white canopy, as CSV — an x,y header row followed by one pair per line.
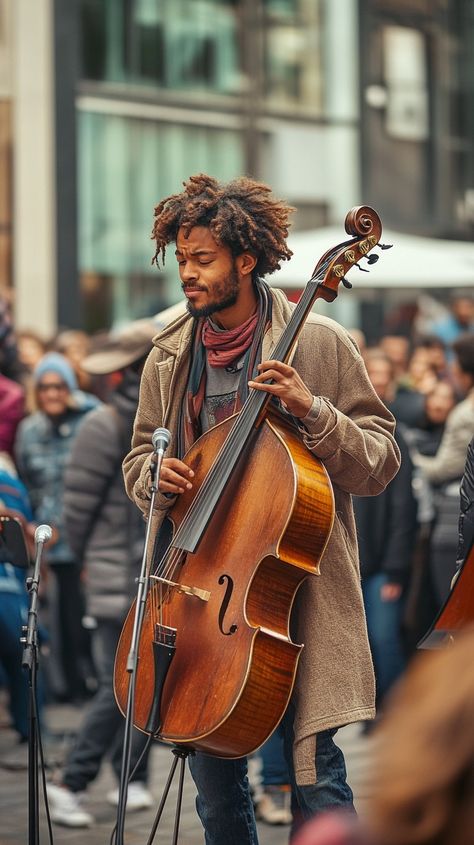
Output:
x,y
413,262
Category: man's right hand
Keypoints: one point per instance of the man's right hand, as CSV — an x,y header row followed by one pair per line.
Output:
x,y
175,476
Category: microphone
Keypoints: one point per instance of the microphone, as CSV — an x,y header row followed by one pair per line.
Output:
x,y
43,533
160,440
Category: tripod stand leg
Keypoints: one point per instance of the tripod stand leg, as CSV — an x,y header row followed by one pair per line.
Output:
x,y
163,801
33,784
179,799
179,754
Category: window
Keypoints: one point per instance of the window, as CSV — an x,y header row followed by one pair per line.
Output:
x,y
188,45
126,166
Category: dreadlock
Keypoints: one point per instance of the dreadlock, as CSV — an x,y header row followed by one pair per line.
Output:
x,y
241,215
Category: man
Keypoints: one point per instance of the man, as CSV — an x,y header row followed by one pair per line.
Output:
x,y
386,530
204,363
106,533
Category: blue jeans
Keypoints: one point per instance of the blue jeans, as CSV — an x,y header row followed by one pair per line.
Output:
x,y
274,768
224,803
13,614
384,629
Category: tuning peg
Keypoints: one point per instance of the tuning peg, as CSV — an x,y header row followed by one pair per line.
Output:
x,y
373,258
347,284
385,246
362,269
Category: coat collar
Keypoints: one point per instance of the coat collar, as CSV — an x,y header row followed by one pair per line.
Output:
x,y
175,338
172,337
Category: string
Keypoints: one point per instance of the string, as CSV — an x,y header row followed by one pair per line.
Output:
x,y
233,444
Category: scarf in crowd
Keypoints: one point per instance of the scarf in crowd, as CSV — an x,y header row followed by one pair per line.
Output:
x,y
223,348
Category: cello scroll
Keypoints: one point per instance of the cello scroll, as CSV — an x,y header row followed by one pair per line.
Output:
x,y
366,227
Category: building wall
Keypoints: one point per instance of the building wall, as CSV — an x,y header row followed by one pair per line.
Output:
x,y
6,148
108,105
417,127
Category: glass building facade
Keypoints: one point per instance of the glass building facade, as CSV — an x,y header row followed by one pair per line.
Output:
x,y
174,87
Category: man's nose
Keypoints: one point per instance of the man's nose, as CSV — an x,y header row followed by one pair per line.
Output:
x,y
188,271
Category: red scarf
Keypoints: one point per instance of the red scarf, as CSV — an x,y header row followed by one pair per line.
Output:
x,y
227,346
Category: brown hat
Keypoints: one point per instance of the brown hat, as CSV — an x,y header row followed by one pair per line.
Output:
x,y
122,348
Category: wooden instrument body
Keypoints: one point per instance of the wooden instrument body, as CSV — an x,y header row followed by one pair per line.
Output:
x,y
234,666
457,611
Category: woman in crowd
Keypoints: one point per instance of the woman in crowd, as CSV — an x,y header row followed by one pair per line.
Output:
x,y
43,444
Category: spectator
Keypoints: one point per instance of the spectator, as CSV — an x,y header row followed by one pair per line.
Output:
x,y
106,531
360,339
445,468
448,463
31,348
43,444
436,353
423,599
14,601
75,345
386,528
422,375
397,348
9,363
407,403
12,408
459,320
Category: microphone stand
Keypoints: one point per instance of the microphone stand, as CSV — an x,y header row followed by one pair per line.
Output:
x,y
132,659
30,663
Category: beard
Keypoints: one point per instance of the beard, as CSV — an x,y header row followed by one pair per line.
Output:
x,y
225,295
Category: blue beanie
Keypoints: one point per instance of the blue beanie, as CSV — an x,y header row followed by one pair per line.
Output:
x,y
53,362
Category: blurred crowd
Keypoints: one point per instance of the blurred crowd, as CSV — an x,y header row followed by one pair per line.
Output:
x,y
66,414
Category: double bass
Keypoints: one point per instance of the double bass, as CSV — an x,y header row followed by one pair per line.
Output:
x,y
216,664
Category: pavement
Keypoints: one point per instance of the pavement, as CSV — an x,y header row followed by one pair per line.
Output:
x,y
62,722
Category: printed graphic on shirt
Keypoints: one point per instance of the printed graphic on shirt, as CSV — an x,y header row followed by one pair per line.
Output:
x,y
218,408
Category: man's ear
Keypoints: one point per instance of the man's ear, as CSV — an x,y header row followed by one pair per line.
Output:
x,y
245,263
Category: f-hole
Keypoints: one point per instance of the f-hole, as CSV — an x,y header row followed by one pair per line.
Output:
x,y
225,604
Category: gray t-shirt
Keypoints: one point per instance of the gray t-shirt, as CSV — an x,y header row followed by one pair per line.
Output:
x,y
221,391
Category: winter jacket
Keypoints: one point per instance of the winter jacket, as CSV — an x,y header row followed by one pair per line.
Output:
x,y
448,463
42,448
386,524
13,498
12,409
350,430
105,530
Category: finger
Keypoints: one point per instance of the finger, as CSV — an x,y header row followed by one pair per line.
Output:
x,y
166,487
268,374
170,477
267,388
276,365
178,466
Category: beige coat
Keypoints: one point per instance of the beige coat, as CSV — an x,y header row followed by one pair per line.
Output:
x,y
352,435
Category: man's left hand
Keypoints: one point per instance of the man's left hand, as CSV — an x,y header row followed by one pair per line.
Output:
x,y
287,386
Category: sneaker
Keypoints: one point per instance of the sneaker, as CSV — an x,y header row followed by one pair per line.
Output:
x,y
65,807
138,796
274,806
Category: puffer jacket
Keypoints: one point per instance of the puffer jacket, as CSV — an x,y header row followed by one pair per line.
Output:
x,y
42,447
105,530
